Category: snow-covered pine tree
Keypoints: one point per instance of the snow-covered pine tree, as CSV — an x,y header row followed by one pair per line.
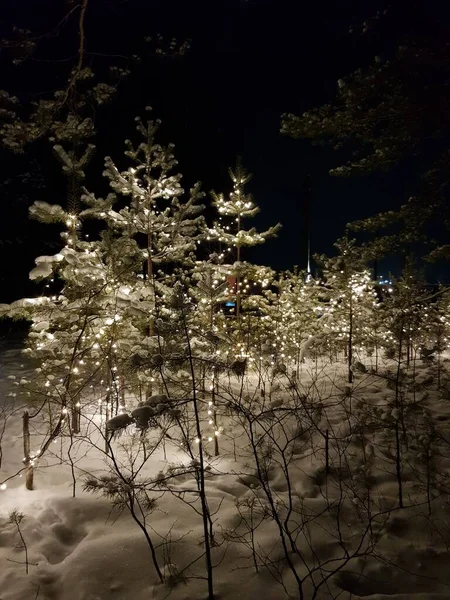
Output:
x,y
65,121
300,301
210,292
380,117
352,302
403,314
86,336
72,334
165,227
238,206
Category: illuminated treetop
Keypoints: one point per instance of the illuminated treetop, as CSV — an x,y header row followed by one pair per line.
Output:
x,y
239,205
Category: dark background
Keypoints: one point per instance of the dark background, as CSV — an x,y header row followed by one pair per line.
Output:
x,y
249,62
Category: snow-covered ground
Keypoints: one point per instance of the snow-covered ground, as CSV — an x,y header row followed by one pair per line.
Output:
x,y
80,548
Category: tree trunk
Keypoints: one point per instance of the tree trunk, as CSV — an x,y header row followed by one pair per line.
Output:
x,y
75,417
207,534
350,343
213,398
238,279
107,416
29,475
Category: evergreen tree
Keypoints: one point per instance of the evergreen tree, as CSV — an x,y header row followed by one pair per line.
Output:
x,y
352,301
390,112
238,206
165,228
88,335
301,301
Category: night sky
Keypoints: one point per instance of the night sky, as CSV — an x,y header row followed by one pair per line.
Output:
x,y
250,61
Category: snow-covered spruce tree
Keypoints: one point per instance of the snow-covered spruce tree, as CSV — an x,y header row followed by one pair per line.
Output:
x,y
261,323
301,330
75,335
219,346
99,323
238,206
165,228
209,290
65,120
350,311
406,316
167,231
268,332
247,334
68,128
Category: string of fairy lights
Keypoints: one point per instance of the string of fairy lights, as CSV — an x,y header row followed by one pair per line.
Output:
x,y
83,339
